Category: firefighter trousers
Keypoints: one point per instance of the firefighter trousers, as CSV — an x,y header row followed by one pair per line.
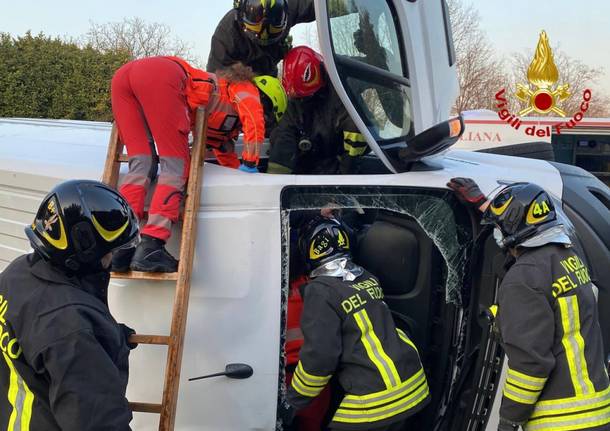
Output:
x,y
149,106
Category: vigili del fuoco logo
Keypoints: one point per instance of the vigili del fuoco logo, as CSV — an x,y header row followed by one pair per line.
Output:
x,y
542,95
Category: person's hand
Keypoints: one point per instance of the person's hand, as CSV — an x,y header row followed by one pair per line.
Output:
x,y
248,169
330,210
128,332
467,191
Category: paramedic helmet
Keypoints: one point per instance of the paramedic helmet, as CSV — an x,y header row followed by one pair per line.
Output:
x,y
323,240
302,73
519,212
273,98
263,21
81,221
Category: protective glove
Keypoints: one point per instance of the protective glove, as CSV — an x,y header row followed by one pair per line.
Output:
x,y
128,332
249,169
286,414
467,191
506,425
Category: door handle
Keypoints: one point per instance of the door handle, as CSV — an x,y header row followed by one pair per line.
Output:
x,y
232,371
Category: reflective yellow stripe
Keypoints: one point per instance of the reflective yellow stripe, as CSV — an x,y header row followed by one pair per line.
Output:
x,y
571,422
375,351
353,137
406,339
525,381
350,139
520,395
310,379
21,399
370,415
572,405
383,397
303,389
574,345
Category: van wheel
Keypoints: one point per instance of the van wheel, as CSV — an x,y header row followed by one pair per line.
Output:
x,y
529,150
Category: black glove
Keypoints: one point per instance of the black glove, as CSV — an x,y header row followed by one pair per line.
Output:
x,y
467,191
127,332
286,413
506,425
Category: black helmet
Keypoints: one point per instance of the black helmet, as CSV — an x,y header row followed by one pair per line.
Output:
x,y
322,240
264,21
520,211
79,222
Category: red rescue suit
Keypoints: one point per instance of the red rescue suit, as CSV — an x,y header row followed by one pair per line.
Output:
x,y
153,102
311,417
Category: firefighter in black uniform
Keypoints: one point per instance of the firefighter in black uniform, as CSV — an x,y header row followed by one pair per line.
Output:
x,y
316,135
547,316
349,331
65,359
254,33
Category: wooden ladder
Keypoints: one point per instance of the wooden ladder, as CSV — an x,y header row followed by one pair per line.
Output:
x,y
175,340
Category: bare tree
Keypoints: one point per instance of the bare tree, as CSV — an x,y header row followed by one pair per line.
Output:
x,y
577,75
138,38
480,72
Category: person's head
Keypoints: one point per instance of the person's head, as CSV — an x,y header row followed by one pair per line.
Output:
x,y
323,240
302,72
263,21
79,223
273,98
523,215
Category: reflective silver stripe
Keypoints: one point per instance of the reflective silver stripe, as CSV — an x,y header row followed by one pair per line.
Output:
x,y
578,421
172,172
534,383
139,170
159,221
244,95
380,413
570,405
294,334
519,395
575,345
371,400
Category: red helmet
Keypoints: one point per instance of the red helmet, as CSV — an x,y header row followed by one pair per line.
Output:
x,y
302,74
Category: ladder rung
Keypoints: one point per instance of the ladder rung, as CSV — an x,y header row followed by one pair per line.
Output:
x,y
138,275
123,158
149,339
145,407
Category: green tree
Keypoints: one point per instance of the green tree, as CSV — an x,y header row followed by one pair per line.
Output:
x,y
44,77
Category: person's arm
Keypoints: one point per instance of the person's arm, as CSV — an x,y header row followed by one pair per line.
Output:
x,y
284,142
222,49
301,11
246,100
319,356
527,326
86,389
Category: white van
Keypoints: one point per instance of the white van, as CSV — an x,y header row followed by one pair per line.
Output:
x,y
437,266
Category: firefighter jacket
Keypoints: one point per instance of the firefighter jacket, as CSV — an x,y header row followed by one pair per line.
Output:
x,y
349,331
231,107
548,319
64,359
336,145
231,45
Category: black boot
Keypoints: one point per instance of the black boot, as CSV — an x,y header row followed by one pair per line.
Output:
x,y
121,259
151,256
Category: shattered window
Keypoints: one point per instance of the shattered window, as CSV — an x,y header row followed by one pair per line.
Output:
x,y
437,213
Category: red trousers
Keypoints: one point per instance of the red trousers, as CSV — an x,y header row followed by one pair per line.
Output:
x,y
149,105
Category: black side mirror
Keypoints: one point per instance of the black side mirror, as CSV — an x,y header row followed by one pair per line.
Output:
x,y
232,371
433,140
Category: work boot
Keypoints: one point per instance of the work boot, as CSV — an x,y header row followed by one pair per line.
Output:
x,y
151,256
121,259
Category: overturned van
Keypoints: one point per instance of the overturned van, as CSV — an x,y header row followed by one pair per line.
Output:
x,y
438,267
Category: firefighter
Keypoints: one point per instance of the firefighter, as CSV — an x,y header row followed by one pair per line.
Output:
x,y
65,358
149,103
316,134
254,33
348,331
547,316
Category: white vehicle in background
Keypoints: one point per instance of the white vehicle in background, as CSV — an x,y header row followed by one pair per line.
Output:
x,y
587,145
438,268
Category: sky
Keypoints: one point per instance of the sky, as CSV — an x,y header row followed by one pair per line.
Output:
x,y
581,29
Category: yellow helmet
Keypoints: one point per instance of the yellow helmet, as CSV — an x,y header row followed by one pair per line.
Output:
x,y
275,99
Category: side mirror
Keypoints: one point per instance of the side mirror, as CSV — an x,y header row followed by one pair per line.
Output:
x,y
433,140
232,371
